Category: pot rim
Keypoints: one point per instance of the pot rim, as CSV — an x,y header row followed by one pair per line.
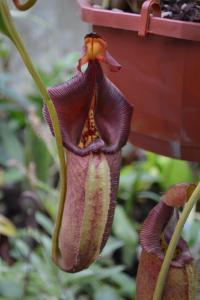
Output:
x,y
129,21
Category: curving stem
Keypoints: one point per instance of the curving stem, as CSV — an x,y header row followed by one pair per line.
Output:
x,y
173,243
24,6
15,37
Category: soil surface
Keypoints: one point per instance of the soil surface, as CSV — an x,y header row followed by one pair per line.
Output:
x,y
185,10
181,10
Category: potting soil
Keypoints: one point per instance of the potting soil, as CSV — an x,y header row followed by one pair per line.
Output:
x,y
185,10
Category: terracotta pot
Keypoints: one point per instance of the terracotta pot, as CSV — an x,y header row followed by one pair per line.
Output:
x,y
160,76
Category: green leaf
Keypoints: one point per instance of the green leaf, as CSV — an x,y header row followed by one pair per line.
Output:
x,y
22,247
95,272
45,222
11,175
103,273
170,171
123,228
127,177
10,289
10,146
125,283
7,227
111,245
38,153
174,171
11,95
106,292
149,195
191,232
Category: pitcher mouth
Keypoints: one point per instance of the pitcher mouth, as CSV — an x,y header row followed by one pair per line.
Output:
x,y
94,115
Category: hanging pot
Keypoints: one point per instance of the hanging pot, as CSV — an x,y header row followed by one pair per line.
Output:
x,y
160,75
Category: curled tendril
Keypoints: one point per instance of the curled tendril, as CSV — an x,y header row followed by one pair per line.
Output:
x,y
24,6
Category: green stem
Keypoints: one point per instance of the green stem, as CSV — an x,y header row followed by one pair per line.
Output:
x,y
173,243
15,37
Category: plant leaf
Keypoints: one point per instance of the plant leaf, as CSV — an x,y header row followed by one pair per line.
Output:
x,y
6,226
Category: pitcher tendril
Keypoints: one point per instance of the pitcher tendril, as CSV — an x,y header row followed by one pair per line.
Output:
x,y
8,28
24,6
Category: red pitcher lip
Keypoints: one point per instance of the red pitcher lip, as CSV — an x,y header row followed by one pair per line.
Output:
x,y
72,100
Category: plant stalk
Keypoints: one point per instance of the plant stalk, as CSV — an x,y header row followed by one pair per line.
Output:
x,y
173,243
15,37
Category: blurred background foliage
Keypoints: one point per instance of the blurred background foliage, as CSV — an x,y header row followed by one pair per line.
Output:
x,y
28,200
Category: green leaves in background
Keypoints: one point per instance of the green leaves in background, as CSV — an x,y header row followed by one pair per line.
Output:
x,y
44,280
37,152
10,146
138,177
124,229
170,171
3,9
11,154
107,293
7,228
